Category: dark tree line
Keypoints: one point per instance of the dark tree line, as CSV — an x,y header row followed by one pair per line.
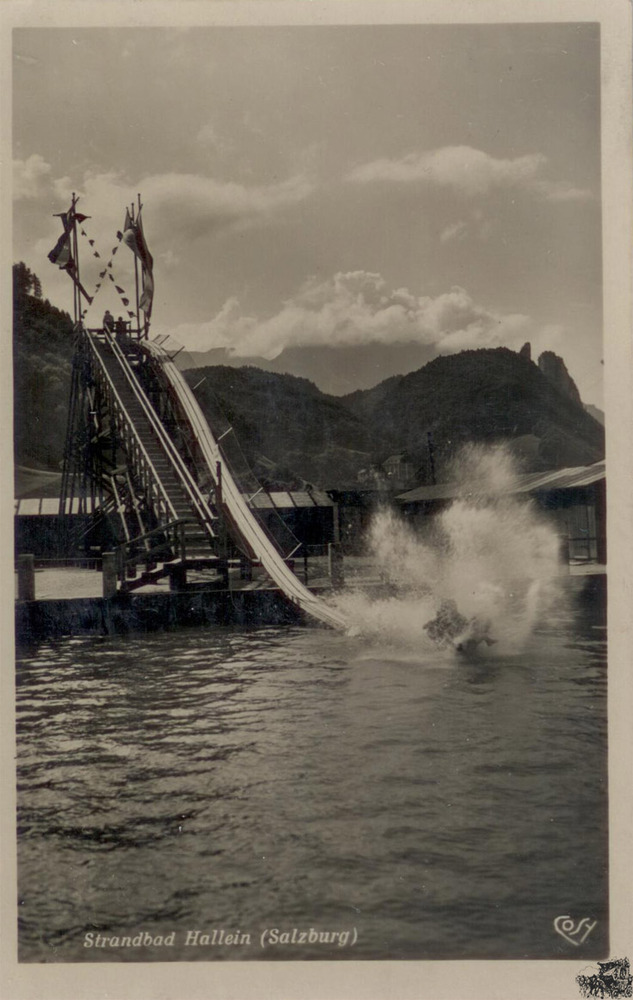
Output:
x,y
42,357
25,282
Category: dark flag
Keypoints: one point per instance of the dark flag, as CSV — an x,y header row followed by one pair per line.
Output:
x,y
134,238
62,255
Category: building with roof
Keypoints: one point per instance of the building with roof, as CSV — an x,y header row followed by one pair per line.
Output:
x,y
574,500
311,515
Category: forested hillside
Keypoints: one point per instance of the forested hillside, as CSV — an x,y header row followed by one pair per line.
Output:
x,y
291,432
484,395
287,420
42,355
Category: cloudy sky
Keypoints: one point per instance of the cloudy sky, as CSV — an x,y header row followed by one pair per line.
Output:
x,y
343,202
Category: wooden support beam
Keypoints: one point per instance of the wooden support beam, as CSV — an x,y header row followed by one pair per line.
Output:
x,y
335,564
109,574
26,578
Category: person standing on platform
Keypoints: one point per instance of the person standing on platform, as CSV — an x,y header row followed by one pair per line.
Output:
x,y
108,322
120,328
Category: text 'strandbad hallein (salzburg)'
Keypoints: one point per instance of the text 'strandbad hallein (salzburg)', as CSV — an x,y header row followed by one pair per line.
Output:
x,y
220,937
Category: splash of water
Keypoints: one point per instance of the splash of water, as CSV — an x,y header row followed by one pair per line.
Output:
x,y
490,551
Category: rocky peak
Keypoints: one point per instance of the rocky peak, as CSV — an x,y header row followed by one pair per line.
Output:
x,y
555,371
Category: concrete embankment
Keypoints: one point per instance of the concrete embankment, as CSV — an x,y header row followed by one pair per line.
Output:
x,y
83,613
128,613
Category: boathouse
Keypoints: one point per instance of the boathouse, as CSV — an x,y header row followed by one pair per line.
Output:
x,y
573,499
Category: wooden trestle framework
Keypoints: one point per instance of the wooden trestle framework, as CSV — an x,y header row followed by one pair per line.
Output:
x,y
141,462
131,462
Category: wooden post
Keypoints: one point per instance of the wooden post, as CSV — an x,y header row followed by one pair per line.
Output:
x,y
335,564
336,523
222,569
564,553
26,578
246,568
177,577
182,540
109,574
601,521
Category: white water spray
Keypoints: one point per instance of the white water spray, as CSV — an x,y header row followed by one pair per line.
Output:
x,y
490,552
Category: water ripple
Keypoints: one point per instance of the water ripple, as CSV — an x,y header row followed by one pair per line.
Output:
x,y
247,778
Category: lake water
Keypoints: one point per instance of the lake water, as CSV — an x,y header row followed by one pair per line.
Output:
x,y
402,803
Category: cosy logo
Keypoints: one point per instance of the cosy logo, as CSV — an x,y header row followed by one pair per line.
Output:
x,y
574,933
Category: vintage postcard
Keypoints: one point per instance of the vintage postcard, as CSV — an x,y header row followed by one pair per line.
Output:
x,y
317,661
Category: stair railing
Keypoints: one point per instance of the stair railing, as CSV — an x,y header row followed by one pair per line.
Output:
x,y
148,476
166,442
125,426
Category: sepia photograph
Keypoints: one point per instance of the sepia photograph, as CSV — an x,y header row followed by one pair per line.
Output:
x,y
314,376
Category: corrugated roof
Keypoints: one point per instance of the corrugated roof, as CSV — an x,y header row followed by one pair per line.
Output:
x,y
281,499
533,482
33,506
49,506
289,500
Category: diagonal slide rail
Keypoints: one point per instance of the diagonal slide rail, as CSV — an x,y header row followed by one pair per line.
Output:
x,y
244,523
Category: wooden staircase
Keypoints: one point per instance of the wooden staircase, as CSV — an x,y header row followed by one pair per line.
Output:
x,y
181,500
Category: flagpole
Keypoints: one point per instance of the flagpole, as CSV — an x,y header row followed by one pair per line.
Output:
x,y
76,282
138,312
138,220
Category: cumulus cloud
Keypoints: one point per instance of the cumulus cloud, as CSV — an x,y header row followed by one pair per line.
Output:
x,y
209,138
455,231
182,205
170,260
31,177
468,171
357,308
180,209
191,205
561,191
476,225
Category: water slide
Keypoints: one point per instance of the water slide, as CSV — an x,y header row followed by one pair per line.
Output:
x,y
244,523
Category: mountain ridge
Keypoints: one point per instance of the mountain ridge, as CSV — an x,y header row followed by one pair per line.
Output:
x,y
294,433
490,394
